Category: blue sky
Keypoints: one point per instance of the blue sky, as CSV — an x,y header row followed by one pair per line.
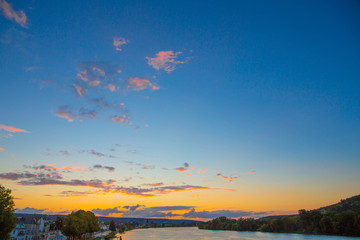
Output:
x,y
263,96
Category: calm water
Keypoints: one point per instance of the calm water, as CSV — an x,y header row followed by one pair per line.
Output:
x,y
193,233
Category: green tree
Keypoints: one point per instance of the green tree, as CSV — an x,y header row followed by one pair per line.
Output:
x,y
78,223
112,226
7,218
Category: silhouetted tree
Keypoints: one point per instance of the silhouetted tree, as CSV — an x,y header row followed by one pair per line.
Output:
x,y
7,218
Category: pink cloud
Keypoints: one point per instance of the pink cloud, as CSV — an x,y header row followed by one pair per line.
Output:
x,y
80,90
118,42
67,115
1,149
201,171
83,75
165,60
98,71
251,172
17,16
111,87
137,84
121,119
11,129
75,168
94,83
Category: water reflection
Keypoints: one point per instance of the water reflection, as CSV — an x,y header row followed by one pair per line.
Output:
x,y
193,233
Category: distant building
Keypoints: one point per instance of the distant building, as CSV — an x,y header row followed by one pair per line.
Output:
x,y
30,228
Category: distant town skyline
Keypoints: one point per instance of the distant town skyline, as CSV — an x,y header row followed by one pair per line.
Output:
x,y
179,109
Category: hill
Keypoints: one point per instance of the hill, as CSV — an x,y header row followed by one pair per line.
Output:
x,y
120,220
352,203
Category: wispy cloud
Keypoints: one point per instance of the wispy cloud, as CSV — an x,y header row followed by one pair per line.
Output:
x,y
138,84
65,153
201,171
11,129
100,167
106,211
183,168
97,154
2,149
228,179
41,167
69,114
118,42
79,90
123,119
74,168
152,184
251,172
10,13
31,210
133,208
142,165
31,68
165,60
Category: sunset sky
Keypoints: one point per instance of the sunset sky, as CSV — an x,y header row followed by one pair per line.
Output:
x,y
179,109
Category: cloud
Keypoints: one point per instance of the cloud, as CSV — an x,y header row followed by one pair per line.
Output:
x,y
97,154
228,179
142,211
79,90
118,42
138,84
65,153
11,129
95,183
111,87
42,167
201,171
74,168
165,60
97,74
17,16
69,114
28,69
101,104
142,165
29,210
153,184
184,168
76,193
16,176
107,211
146,166
124,119
133,208
1,149
251,172
98,166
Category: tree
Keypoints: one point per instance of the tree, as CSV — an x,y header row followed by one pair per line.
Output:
x,y
78,223
112,226
7,218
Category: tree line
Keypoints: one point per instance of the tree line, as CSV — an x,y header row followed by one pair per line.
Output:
x,y
309,222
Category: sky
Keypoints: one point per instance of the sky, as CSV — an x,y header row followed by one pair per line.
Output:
x,y
179,109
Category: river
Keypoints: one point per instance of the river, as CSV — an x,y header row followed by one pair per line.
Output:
x,y
193,233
